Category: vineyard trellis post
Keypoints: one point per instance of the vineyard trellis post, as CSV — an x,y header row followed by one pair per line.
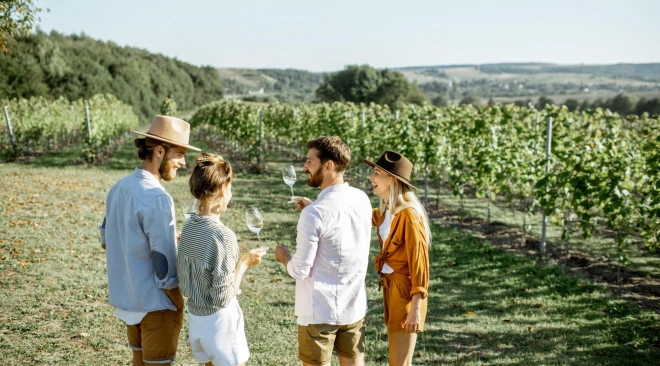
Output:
x,y
89,126
363,169
11,129
261,117
426,173
548,140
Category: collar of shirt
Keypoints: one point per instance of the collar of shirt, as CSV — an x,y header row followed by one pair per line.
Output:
x,y
139,172
332,188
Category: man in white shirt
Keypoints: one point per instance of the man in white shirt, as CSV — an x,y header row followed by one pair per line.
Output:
x,y
139,235
330,263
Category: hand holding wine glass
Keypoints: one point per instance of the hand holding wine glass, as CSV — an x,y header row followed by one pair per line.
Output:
x,y
289,175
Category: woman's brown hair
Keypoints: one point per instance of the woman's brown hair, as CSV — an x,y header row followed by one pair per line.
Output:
x,y
211,173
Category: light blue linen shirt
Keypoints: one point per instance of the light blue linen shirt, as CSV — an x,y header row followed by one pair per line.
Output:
x,y
332,255
139,231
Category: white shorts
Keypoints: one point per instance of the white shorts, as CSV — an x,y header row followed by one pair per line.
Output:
x,y
220,337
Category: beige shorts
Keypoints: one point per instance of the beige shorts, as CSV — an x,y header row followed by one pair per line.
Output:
x,y
157,335
317,341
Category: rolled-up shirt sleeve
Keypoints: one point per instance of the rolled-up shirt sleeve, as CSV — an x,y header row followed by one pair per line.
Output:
x,y
159,225
310,227
418,256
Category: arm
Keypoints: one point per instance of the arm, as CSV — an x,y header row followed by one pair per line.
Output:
x,y
414,315
309,232
159,226
417,252
249,259
102,230
418,262
301,202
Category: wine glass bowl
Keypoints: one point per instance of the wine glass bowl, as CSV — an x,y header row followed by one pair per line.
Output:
x,y
289,176
191,207
254,221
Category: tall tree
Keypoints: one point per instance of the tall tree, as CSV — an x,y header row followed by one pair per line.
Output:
x,y
364,84
17,17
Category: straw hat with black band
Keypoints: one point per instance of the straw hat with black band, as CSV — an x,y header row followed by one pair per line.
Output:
x,y
396,164
172,130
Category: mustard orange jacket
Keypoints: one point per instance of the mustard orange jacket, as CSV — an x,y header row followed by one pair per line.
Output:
x,y
406,250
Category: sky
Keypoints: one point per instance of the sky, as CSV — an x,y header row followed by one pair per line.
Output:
x,y
328,35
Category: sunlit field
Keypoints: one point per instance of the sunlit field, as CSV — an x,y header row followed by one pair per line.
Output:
x,y
486,306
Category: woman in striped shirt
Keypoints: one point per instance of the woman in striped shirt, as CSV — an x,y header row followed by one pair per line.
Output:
x,y
209,269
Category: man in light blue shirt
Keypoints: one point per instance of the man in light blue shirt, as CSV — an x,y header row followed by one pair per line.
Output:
x,y
330,263
140,238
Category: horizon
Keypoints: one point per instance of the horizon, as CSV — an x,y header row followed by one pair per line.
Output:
x,y
326,38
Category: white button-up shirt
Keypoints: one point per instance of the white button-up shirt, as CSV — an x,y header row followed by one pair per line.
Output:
x,y
332,254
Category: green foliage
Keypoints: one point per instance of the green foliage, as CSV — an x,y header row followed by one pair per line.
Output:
x,y
17,18
364,84
39,123
78,66
599,172
168,108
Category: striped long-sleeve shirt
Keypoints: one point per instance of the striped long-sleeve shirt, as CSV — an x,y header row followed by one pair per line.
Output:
x,y
208,253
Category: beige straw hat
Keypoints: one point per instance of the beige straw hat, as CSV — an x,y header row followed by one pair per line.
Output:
x,y
171,130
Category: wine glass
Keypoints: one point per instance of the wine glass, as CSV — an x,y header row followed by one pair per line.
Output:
x,y
191,207
289,175
254,220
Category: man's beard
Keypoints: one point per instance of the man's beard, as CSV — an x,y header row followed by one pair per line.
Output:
x,y
315,179
166,170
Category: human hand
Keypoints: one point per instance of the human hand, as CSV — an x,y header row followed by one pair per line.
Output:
x,y
301,202
178,236
282,254
411,325
176,297
253,257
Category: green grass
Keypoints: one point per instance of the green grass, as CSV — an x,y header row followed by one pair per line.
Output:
x,y
53,286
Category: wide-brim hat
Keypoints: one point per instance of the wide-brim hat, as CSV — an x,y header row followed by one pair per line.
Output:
x,y
396,164
172,130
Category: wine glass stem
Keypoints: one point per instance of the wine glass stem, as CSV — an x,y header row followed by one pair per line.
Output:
x,y
291,191
259,237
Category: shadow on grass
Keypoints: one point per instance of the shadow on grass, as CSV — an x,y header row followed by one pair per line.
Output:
x,y
70,155
488,306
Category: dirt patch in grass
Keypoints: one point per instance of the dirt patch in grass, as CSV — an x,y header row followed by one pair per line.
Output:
x,y
632,286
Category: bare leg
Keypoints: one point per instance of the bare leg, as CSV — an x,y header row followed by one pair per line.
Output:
x,y
402,347
357,361
137,358
307,364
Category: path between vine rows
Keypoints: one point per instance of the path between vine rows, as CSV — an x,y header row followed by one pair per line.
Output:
x,y
634,287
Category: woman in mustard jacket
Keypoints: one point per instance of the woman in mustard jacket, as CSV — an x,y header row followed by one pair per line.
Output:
x,y
404,236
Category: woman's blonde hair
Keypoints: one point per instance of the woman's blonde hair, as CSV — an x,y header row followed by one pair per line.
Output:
x,y
402,197
211,172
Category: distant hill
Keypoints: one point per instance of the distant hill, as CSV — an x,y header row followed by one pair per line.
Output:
x,y
285,85
77,66
501,81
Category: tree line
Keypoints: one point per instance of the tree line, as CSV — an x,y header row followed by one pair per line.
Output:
x,y
77,66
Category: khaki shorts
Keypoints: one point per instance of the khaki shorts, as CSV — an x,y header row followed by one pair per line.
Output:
x,y
317,341
397,301
157,335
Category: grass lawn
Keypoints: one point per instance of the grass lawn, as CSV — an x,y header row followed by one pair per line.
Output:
x,y
486,306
